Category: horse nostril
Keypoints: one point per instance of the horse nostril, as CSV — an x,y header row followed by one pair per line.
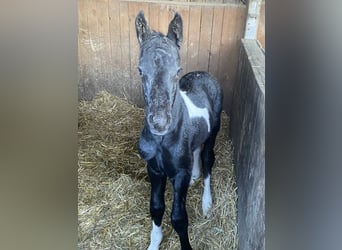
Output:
x,y
150,119
158,122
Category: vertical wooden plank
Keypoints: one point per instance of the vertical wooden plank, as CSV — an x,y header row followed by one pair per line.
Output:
x,y
133,9
205,38
104,44
118,79
171,10
193,37
95,65
125,47
216,41
226,64
226,41
154,16
230,41
85,92
163,19
114,33
83,43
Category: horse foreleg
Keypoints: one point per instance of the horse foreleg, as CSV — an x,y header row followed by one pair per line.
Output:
x,y
157,204
179,217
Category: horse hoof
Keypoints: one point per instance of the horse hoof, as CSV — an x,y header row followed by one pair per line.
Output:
x,y
193,179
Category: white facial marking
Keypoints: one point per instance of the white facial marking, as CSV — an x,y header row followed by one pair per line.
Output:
x,y
206,198
196,167
156,237
195,111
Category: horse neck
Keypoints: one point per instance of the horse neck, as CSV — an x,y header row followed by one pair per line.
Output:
x,y
177,111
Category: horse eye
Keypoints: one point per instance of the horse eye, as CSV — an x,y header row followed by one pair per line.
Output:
x,y
179,70
140,71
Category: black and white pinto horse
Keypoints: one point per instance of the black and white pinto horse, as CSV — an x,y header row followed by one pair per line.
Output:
x,y
181,124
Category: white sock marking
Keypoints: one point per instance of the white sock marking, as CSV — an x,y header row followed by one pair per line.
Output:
x,y
156,237
195,111
206,198
196,167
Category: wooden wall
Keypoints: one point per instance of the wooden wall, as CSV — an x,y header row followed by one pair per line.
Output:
x,y
108,47
248,137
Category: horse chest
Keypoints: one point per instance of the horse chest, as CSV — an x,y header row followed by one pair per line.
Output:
x,y
169,158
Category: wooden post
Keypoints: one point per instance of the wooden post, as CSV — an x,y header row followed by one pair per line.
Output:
x,y
247,130
252,19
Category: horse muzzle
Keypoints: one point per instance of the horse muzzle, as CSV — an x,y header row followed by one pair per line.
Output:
x,y
159,123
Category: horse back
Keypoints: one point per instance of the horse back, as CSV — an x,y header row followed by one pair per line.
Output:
x,y
204,90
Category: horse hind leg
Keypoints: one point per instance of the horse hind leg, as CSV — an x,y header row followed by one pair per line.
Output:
x,y
208,159
195,174
207,199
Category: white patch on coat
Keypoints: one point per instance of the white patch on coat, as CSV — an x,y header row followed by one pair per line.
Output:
x,y
195,111
196,167
207,200
156,237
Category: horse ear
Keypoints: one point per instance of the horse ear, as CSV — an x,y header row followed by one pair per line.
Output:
x,y
142,29
175,32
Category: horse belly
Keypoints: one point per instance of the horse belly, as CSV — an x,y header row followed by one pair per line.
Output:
x,y
198,132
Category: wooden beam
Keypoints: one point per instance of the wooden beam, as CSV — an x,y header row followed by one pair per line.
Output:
x,y
252,19
179,3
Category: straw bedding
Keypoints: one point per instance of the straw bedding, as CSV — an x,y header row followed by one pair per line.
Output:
x,y
114,189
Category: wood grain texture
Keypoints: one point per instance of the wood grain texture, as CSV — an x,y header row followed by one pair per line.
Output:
x,y
94,76
104,49
83,35
124,41
109,51
164,19
193,38
205,38
114,33
248,137
227,42
216,41
85,86
232,32
154,16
